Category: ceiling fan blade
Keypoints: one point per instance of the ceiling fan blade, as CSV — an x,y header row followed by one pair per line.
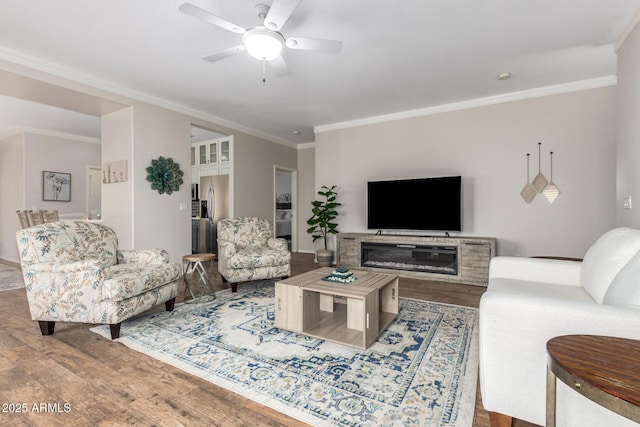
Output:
x,y
203,15
319,45
279,13
225,53
280,66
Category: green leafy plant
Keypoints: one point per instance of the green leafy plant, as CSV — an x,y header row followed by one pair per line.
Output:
x,y
324,214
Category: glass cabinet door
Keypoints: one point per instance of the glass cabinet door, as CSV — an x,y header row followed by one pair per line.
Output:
x,y
202,154
193,156
224,151
213,152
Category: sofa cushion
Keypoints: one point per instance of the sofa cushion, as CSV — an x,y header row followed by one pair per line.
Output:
x,y
128,280
606,257
625,288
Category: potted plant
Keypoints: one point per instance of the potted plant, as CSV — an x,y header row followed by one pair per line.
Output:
x,y
322,222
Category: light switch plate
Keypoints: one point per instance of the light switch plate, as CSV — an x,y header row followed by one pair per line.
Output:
x,y
626,202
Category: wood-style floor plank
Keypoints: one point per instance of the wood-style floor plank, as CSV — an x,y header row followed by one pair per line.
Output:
x,y
108,384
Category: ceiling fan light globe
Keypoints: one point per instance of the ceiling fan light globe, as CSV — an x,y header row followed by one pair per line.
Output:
x,y
263,44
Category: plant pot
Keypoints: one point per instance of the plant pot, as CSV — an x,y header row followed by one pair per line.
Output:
x,y
324,257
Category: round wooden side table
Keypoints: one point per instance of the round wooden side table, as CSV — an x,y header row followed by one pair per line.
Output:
x,y
605,370
194,264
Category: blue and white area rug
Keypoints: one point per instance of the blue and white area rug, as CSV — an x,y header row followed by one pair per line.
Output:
x,y
422,371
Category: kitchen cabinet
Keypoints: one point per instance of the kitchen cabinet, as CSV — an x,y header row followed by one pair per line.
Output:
x,y
211,157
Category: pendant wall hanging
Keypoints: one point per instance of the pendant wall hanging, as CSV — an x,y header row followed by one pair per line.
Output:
x,y
551,192
164,175
528,192
540,183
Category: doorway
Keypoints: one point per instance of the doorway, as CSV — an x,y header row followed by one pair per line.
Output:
x,y
93,196
285,214
212,186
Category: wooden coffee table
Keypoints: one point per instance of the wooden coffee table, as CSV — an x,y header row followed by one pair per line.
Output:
x,y
603,369
353,314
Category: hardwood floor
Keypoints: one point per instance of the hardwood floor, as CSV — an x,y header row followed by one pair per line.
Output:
x,y
75,377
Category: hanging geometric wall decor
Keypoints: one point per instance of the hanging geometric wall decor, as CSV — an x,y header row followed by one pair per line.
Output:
x,y
528,192
164,175
539,182
551,192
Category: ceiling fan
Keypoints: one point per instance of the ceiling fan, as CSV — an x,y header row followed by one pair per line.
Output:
x,y
264,42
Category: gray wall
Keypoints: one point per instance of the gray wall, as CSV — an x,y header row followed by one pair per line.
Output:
x,y
306,194
487,146
253,174
628,127
13,194
24,156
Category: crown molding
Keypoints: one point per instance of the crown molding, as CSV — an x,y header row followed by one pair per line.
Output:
x,y
479,102
11,132
62,135
633,23
306,145
50,133
20,58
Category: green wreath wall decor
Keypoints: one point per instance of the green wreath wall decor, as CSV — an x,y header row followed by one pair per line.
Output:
x,y
164,175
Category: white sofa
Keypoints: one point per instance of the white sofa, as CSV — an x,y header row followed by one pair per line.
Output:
x,y
531,300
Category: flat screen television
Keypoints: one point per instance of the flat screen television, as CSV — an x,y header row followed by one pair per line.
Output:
x,y
415,204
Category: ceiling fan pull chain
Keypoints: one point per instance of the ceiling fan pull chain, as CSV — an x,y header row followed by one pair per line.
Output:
x,y
264,70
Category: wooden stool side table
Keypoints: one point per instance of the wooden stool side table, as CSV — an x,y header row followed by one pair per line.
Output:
x,y
605,370
194,263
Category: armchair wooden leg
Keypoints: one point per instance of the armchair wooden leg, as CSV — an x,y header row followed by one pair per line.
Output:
x,y
497,419
168,305
234,287
46,327
115,330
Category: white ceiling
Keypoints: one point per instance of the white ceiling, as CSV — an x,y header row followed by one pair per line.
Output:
x,y
19,114
397,55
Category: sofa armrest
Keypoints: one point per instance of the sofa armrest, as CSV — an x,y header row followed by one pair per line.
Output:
x,y
278,244
226,248
514,330
557,271
142,256
65,292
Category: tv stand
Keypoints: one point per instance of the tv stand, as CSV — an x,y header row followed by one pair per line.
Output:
x,y
447,259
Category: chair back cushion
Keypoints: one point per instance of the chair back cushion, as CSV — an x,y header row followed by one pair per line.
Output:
x,y
605,258
67,241
245,232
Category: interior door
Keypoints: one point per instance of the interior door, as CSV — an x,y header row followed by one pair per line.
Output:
x,y
93,192
285,216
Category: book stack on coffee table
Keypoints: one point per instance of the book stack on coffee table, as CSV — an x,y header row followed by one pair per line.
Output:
x,y
340,275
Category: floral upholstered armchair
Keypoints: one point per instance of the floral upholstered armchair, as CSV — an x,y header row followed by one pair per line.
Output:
x,y
74,272
247,251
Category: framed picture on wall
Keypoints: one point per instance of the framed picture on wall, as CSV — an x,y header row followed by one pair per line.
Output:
x,y
56,186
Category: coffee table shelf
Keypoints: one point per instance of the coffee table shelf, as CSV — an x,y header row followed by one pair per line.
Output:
x,y
353,314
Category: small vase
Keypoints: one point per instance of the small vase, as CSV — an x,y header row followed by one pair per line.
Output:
x,y
324,257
